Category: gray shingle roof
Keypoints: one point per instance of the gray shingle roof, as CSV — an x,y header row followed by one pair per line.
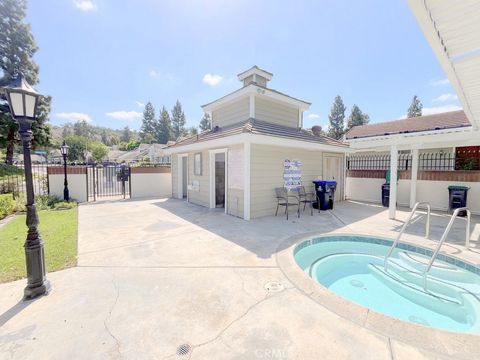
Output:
x,y
259,127
448,120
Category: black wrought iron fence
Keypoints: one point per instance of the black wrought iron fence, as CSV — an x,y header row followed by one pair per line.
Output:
x,y
435,161
12,180
377,162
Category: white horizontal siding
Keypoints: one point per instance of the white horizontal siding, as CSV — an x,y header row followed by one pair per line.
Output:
x,y
201,197
267,174
231,113
276,113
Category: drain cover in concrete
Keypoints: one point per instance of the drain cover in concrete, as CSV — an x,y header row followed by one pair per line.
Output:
x,y
184,349
273,287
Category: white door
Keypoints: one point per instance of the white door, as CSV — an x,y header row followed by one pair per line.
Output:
x,y
333,170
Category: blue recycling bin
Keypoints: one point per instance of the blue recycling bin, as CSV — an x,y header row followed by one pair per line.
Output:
x,y
325,190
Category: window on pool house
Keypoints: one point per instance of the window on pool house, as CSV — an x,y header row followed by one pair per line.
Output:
x,y
197,164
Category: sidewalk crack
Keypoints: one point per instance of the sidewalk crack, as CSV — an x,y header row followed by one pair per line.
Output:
x,y
231,323
105,324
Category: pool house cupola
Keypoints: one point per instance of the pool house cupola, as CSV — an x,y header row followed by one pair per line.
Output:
x,y
256,76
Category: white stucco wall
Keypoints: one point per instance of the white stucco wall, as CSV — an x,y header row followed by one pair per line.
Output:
x,y
157,185
435,192
77,186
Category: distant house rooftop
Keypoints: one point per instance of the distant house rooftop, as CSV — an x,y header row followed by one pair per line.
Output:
x,y
448,120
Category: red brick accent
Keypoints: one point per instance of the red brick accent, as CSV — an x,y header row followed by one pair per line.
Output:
x,y
71,170
151,170
404,175
371,174
457,175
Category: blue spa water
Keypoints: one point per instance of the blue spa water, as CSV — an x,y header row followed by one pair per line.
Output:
x,y
354,269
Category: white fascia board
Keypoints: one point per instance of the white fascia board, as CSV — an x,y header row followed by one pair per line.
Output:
x,y
293,143
258,91
236,95
261,140
283,99
417,140
254,71
209,144
420,9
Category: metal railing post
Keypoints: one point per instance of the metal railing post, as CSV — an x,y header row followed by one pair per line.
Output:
x,y
407,222
444,237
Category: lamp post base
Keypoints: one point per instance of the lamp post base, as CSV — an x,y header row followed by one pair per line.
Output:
x,y
37,283
32,292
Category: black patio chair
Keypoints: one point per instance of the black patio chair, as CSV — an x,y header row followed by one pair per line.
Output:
x,y
285,198
306,198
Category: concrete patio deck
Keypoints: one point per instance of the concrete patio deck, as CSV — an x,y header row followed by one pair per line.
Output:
x,y
153,275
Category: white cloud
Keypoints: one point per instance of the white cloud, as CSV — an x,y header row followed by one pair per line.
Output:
x,y
163,76
124,115
212,79
440,109
139,104
439,82
73,116
446,98
155,74
313,116
85,5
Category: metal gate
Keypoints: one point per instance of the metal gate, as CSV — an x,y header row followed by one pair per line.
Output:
x,y
108,181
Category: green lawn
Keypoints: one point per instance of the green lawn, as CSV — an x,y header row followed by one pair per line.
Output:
x,y
59,233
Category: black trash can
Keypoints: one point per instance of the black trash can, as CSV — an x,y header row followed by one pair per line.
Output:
x,y
457,198
386,194
325,190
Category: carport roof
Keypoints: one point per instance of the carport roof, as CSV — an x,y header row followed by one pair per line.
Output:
x,y
453,30
448,120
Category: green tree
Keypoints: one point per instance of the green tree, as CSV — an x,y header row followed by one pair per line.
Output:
x,y
17,48
206,122
98,150
82,128
114,139
67,131
126,134
105,138
164,130
132,145
178,121
357,117
77,147
336,118
415,108
149,124
192,130
148,138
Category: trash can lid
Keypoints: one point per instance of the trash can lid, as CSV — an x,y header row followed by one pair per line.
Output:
x,y
458,187
324,182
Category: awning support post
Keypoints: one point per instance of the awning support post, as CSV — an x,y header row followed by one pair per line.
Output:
x,y
393,182
413,180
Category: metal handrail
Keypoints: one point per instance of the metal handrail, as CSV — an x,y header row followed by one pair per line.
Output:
x,y
444,237
409,219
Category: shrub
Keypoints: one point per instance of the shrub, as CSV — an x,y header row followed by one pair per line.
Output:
x,y
6,170
9,205
6,205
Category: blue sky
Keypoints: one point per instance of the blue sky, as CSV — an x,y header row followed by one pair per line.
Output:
x,y
102,59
